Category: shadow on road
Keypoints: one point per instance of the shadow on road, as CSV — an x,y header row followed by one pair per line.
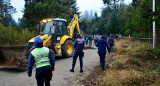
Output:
x,y
13,69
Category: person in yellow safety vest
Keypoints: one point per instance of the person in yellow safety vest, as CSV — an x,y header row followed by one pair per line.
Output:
x,y
44,60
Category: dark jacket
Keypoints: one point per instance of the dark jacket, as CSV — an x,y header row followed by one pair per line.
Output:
x,y
38,43
102,44
90,38
105,37
111,40
79,43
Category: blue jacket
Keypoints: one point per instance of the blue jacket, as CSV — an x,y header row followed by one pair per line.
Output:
x,y
102,44
79,43
38,43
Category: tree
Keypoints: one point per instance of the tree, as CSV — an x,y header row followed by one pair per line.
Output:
x,y
6,11
36,11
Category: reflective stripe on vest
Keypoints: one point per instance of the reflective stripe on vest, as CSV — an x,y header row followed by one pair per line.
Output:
x,y
41,57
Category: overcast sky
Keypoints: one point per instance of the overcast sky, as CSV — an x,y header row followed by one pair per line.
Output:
x,y
94,5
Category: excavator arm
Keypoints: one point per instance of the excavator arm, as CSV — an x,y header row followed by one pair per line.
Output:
x,y
74,24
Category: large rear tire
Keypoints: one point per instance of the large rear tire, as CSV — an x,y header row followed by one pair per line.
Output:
x,y
67,48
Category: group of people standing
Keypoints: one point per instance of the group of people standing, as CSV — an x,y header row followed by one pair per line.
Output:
x,y
97,37
88,39
44,59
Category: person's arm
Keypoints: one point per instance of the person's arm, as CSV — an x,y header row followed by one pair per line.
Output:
x,y
30,65
75,43
97,44
107,46
52,60
83,42
109,40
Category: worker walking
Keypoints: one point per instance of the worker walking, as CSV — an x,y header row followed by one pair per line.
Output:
x,y
90,40
102,44
86,39
78,45
44,60
111,42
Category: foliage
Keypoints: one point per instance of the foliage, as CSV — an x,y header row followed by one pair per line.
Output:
x,y
9,36
147,53
36,11
6,10
134,19
88,22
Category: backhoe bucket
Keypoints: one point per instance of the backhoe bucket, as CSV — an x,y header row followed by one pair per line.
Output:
x,y
13,56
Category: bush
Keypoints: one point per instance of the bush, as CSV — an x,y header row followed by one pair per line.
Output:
x,y
10,36
147,53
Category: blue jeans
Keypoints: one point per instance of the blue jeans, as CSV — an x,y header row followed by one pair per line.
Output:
x,y
86,42
90,42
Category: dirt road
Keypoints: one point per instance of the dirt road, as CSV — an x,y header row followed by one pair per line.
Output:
x,y
61,75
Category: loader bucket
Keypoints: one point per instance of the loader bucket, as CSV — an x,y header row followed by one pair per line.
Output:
x,y
13,56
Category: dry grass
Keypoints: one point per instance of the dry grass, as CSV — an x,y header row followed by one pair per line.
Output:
x,y
121,77
130,71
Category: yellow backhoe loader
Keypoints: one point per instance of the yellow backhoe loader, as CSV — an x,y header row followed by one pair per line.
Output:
x,y
55,35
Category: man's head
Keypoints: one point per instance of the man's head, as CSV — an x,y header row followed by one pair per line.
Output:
x,y
102,37
38,42
78,35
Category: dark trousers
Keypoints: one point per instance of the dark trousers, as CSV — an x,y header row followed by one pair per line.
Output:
x,y
86,42
102,59
75,56
111,46
90,42
43,74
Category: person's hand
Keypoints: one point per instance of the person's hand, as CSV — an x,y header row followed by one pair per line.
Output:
x,y
29,75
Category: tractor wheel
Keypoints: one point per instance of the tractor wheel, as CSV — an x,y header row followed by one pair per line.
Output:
x,y
67,48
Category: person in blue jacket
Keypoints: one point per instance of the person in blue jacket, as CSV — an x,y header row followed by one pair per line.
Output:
x,y
44,60
78,45
111,42
105,37
102,44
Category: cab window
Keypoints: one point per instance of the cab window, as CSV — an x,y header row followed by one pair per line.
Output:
x,y
61,28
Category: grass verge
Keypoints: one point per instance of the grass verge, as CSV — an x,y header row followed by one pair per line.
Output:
x,y
136,64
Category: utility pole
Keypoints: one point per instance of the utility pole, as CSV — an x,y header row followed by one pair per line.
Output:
x,y
154,31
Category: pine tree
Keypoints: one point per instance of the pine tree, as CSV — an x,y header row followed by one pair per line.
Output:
x,y
6,11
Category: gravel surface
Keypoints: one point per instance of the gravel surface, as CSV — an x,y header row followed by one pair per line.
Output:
x,y
61,75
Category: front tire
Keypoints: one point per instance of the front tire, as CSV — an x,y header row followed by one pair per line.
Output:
x,y
67,48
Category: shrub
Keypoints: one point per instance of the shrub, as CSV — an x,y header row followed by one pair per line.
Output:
x,y
147,53
10,36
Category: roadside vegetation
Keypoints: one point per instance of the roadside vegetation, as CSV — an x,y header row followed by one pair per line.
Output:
x,y
10,36
136,64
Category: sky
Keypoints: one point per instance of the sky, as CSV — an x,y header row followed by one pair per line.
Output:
x,y
94,5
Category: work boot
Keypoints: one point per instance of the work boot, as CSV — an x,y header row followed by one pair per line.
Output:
x,y
103,68
71,70
81,70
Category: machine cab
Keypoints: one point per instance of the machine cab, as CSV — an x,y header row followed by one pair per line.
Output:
x,y
55,27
